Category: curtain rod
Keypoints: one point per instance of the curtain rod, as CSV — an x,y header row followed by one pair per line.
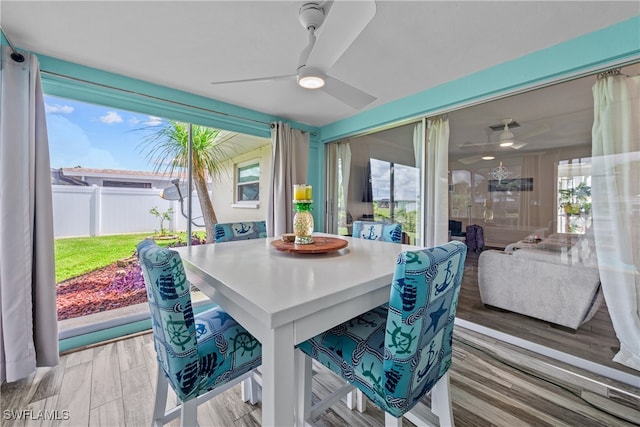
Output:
x,y
16,56
51,73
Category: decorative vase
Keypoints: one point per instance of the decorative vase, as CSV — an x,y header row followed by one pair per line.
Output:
x,y
303,223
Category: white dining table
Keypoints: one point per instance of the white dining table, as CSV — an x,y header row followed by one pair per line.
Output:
x,y
284,299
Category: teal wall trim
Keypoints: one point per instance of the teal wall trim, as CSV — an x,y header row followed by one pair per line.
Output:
x,y
618,43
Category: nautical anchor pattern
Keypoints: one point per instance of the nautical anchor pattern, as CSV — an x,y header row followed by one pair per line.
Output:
x,y
446,281
370,230
397,352
193,351
371,235
228,232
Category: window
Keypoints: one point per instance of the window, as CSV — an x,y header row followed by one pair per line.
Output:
x,y
126,184
248,182
574,195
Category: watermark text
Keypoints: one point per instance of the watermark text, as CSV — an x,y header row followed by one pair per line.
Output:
x,y
30,414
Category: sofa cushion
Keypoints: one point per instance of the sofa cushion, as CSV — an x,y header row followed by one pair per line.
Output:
x,y
562,248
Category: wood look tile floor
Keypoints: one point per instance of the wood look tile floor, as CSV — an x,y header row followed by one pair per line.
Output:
x,y
493,384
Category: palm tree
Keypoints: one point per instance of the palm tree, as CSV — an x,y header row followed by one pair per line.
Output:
x,y
167,147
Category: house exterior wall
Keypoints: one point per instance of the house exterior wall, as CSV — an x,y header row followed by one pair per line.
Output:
x,y
224,188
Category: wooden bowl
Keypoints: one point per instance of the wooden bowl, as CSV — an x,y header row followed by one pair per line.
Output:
x,y
289,237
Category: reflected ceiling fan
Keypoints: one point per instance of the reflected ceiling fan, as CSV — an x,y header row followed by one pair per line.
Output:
x,y
506,140
342,22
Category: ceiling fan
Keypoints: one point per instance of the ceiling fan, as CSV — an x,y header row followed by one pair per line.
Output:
x,y
506,140
342,22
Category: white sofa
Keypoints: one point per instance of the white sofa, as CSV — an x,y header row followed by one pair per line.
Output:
x,y
556,280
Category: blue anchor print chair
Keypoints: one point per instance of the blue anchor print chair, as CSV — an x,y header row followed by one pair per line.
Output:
x,y
370,230
230,231
199,356
398,352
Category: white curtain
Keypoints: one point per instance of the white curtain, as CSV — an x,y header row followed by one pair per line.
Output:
x,y
289,160
418,153
331,185
437,197
28,320
338,164
344,160
529,214
616,206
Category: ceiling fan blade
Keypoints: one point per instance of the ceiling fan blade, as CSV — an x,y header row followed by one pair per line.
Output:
x,y
468,145
260,79
344,22
470,160
347,93
518,145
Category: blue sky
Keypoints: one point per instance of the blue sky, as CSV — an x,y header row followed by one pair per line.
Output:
x,y
94,136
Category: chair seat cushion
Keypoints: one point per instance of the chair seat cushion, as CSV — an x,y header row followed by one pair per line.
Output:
x,y
225,349
355,351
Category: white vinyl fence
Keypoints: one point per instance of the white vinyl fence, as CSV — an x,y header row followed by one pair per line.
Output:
x,y
95,211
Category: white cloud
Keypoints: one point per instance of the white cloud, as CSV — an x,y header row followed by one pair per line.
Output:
x,y
150,121
60,109
111,117
154,121
133,120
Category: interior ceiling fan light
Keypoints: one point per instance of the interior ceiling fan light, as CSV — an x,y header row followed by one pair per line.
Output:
x,y
310,78
506,137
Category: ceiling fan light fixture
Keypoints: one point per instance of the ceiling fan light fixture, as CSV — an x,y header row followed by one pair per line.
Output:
x,y
310,78
506,137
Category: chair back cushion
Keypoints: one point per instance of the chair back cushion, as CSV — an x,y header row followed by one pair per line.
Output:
x,y
227,232
370,230
419,331
174,331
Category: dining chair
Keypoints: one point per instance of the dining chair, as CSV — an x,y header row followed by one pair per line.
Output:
x,y
398,352
199,356
230,231
372,230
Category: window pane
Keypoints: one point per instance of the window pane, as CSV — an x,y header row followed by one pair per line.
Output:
x,y
249,173
249,192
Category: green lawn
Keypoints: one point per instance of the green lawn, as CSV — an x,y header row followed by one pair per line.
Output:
x,y
76,256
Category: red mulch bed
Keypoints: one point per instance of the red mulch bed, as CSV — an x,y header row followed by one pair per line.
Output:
x,y
103,289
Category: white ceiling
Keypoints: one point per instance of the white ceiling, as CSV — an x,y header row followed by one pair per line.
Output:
x,y
408,47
